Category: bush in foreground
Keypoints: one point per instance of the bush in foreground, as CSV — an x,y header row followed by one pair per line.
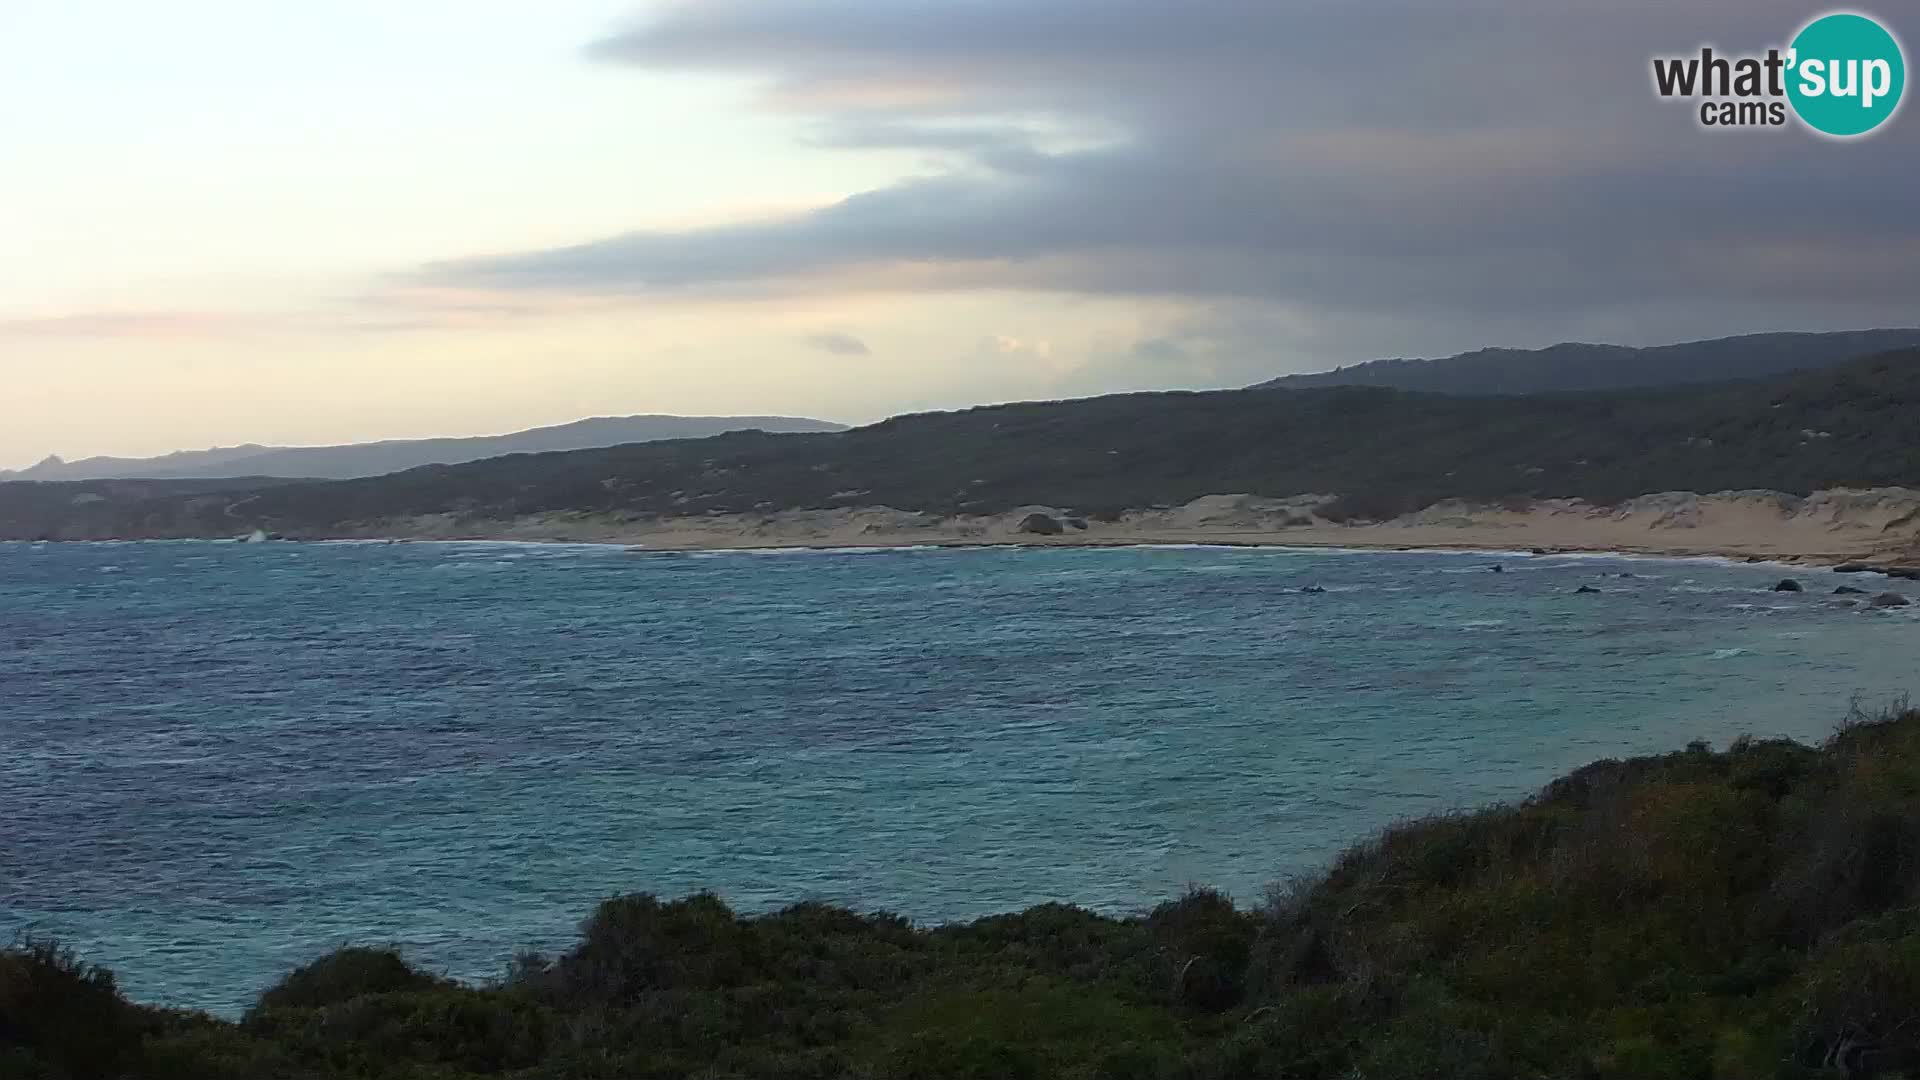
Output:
x,y
1750,913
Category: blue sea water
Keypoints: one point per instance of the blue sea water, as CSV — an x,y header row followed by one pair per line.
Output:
x,y
219,760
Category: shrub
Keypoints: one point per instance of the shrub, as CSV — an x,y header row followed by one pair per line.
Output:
x,y
1860,998
635,944
1042,1029
64,1014
1208,944
1370,505
343,975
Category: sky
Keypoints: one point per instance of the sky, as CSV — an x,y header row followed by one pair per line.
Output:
x,y
291,222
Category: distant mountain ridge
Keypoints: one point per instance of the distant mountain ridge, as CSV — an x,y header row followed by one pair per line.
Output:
x,y
1572,366
1383,452
353,460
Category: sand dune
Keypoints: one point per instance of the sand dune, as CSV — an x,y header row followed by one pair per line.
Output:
x,y
1881,524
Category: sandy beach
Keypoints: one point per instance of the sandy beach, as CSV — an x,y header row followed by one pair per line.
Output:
x,y
1880,525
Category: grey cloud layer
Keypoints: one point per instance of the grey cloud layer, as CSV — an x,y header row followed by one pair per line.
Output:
x,y
1356,156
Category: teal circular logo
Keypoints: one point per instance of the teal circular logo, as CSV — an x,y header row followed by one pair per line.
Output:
x,y
1846,74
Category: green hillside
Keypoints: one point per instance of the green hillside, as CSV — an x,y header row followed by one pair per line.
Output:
x,y
1388,451
1578,366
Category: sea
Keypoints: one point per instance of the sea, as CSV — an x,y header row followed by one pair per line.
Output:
x,y
219,760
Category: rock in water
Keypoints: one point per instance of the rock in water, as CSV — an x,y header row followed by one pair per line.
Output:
x,y
1586,588
1787,585
1889,599
1041,525
1848,590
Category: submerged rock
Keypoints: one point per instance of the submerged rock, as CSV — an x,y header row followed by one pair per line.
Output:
x,y
1787,585
1848,590
1889,599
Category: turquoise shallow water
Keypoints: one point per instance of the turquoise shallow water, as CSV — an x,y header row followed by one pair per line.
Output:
x,y
218,760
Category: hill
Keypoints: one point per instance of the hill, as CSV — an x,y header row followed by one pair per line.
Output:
x,y
1385,451
1571,366
1748,913
376,458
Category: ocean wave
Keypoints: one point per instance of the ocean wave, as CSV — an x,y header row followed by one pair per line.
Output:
x,y
887,722
709,553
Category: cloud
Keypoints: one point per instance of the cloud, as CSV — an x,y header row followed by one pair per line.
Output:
x,y
127,324
377,311
1347,164
1003,345
838,343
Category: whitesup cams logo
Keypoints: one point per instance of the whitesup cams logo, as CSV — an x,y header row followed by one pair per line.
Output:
x,y
1842,75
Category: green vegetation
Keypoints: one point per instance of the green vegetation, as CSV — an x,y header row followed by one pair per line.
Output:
x,y
1749,913
1575,366
1387,451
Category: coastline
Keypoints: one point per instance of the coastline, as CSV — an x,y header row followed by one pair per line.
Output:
x,y
1880,527
1876,528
